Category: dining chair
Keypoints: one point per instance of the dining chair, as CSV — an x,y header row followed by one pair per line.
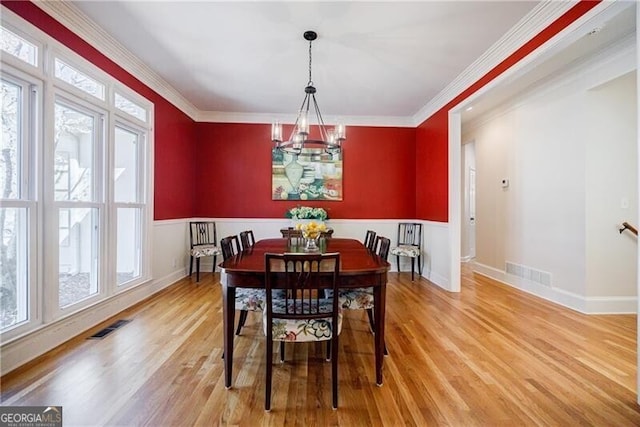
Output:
x,y
202,240
370,240
362,298
409,244
247,240
302,313
247,299
293,236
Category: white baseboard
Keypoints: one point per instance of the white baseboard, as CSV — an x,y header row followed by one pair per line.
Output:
x,y
587,305
38,342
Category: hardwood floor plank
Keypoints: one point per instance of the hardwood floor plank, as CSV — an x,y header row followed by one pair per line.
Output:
x,y
490,355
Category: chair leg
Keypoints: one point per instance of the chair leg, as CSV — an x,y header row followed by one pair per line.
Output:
x,y
190,265
267,385
419,265
334,371
398,262
412,267
373,328
282,351
214,264
328,351
197,269
371,323
241,320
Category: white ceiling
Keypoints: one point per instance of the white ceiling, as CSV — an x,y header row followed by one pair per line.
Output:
x,y
371,59
373,63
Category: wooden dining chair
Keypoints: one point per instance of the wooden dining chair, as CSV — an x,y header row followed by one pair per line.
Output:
x,y
247,240
370,240
301,314
362,298
202,240
409,244
247,299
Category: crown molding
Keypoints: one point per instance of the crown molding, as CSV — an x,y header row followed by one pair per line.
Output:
x,y
531,25
262,118
543,15
605,65
72,18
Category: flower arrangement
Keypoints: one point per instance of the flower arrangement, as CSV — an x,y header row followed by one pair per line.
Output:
x,y
307,212
312,229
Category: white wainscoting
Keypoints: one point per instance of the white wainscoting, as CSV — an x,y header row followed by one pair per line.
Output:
x,y
170,263
587,305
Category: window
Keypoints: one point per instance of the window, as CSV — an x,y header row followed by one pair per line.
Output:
x,y
74,182
17,212
128,195
18,47
67,73
78,141
130,107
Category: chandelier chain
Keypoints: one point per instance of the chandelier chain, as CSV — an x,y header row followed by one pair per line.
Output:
x,y
310,81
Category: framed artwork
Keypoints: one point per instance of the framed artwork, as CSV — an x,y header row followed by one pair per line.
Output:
x,y
313,174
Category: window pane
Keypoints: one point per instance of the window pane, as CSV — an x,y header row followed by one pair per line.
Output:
x,y
13,267
80,80
74,143
78,255
126,166
11,140
128,246
130,107
18,47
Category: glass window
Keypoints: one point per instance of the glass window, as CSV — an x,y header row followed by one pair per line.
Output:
x,y
129,244
74,154
19,47
16,209
67,73
11,135
86,206
130,107
126,172
14,301
78,260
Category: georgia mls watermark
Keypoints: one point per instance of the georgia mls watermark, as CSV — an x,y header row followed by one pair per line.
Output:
x,y
30,416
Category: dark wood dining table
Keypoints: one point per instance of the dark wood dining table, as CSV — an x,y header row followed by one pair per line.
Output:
x,y
359,267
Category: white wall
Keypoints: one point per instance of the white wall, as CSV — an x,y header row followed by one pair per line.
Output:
x,y
611,182
569,154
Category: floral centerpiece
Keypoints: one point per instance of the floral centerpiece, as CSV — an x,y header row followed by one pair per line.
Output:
x,y
307,212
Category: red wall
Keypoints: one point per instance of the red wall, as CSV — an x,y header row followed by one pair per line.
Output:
x,y
174,149
234,173
432,136
388,172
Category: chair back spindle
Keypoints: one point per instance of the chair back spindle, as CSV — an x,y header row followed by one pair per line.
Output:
x,y
230,246
247,240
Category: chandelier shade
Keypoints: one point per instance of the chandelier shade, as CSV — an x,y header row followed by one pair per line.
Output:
x,y
330,139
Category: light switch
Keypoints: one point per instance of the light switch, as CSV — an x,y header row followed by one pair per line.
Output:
x,y
624,203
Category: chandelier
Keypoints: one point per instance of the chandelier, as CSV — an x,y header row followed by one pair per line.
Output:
x,y
330,139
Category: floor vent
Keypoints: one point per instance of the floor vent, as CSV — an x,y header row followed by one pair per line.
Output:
x,y
528,273
106,331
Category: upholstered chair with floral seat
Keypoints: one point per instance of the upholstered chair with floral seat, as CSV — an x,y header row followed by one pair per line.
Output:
x,y
302,313
202,239
362,298
409,244
247,299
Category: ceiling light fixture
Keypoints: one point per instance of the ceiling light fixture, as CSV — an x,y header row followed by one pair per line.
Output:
x,y
329,139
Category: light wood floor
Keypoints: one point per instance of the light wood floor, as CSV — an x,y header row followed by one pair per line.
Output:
x,y
487,356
